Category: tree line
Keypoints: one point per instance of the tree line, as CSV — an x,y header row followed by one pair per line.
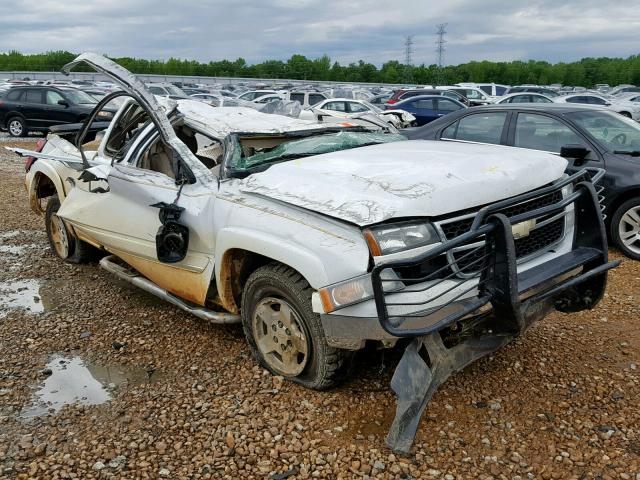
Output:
x,y
586,72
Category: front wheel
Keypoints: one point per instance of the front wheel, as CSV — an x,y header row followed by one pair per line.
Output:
x,y
625,228
63,243
284,334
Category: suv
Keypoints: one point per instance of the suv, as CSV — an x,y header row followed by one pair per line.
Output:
x,y
317,246
36,108
305,98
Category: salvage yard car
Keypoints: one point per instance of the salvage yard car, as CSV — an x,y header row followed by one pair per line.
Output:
x,y
36,108
319,239
349,108
591,137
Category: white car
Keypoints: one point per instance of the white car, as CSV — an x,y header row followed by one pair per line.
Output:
x,y
623,107
493,90
475,96
349,108
251,95
306,99
271,97
523,98
319,239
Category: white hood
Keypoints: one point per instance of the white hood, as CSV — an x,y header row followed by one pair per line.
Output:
x,y
415,178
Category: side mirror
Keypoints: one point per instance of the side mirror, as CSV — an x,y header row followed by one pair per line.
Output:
x,y
576,152
608,104
172,239
64,103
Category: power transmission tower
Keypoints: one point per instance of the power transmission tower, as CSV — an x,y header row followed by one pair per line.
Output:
x,y
441,30
408,61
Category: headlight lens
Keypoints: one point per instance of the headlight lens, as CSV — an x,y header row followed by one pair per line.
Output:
x,y
355,290
106,115
386,239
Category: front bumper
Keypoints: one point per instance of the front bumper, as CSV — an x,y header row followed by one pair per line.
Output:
x,y
571,279
504,304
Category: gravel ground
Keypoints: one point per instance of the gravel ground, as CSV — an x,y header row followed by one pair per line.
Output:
x,y
187,400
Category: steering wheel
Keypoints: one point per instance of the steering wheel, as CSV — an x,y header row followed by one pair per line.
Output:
x,y
619,139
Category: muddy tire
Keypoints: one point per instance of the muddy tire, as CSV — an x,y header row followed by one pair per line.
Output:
x,y
62,242
17,127
284,334
625,228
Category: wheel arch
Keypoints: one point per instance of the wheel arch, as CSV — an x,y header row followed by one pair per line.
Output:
x,y
239,255
45,183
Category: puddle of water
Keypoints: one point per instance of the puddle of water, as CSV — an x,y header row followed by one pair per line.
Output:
x,y
29,295
74,381
14,249
9,234
20,294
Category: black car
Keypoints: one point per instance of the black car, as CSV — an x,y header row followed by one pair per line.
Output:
x,y
36,108
587,137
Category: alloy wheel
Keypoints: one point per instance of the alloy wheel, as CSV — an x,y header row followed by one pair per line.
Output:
x,y
629,229
59,236
280,336
15,128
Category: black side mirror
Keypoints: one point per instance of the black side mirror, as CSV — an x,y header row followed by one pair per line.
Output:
x,y
64,103
576,152
172,239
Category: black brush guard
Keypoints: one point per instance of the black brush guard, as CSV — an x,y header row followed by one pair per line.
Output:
x,y
496,294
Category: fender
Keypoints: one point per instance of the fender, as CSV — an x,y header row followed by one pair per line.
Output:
x,y
40,170
280,249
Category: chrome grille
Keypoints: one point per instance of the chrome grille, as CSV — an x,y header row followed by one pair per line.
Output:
x,y
549,231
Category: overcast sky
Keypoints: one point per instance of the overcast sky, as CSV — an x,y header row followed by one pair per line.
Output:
x,y
346,30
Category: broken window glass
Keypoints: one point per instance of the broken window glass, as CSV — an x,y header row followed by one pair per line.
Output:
x,y
312,145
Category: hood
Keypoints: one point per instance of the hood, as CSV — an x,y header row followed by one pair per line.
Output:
x,y
414,178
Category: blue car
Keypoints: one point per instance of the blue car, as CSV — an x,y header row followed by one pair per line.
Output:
x,y
427,108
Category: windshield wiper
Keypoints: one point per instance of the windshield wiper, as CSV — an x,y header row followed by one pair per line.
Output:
x,y
632,153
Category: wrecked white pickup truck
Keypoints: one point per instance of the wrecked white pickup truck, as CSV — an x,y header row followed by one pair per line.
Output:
x,y
321,238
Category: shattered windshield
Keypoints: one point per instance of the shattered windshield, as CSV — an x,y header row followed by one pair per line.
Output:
x,y
308,146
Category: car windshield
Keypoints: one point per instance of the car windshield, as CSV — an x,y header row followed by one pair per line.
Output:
x,y
612,130
308,146
80,97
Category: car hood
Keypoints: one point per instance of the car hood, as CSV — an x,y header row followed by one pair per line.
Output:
x,y
414,178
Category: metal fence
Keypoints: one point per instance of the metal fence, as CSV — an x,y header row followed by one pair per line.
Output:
x,y
92,76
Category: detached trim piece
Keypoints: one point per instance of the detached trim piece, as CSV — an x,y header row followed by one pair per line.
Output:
x,y
109,264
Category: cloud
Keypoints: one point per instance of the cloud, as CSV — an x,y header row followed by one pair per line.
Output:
x,y
370,30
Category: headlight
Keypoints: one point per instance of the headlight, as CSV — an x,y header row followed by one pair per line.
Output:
x,y
355,290
386,239
106,115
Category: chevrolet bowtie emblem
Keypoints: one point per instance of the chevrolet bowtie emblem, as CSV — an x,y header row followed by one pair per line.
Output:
x,y
523,229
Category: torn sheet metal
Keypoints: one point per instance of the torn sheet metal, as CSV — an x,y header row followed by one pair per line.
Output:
x,y
414,382
147,100
416,178
32,153
222,121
